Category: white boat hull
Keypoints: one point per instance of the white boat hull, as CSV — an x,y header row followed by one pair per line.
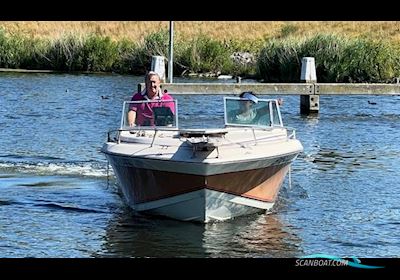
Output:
x,y
203,206
201,198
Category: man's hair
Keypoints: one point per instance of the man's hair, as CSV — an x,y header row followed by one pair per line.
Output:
x,y
149,75
152,73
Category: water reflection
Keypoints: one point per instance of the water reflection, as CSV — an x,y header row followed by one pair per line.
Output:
x,y
260,235
310,119
134,235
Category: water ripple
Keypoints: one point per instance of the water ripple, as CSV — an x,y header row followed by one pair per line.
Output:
x,y
56,200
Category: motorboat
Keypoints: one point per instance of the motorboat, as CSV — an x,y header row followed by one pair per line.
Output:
x,y
202,175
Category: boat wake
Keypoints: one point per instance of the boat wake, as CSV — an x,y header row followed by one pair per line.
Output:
x,y
62,206
52,166
71,208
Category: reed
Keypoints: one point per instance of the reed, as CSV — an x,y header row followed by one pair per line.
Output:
x,y
65,54
217,30
279,61
127,59
328,50
339,58
99,53
370,61
14,50
204,54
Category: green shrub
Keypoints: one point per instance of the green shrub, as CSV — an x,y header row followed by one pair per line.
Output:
x,y
99,53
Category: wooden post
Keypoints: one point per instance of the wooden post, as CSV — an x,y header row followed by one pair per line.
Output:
x,y
171,53
158,66
309,104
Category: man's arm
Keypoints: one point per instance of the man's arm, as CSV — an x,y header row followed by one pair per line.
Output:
x,y
131,118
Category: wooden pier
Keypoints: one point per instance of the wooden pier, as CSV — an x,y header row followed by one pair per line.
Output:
x,y
283,88
309,92
308,89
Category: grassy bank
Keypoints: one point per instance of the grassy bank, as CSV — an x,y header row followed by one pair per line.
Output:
x,y
218,30
270,51
337,59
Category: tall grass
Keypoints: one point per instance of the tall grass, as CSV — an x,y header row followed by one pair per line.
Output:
x,y
279,61
15,51
328,51
204,54
127,59
370,61
217,30
338,58
100,53
156,43
65,54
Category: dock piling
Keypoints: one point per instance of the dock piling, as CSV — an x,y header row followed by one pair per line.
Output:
x,y
309,104
158,66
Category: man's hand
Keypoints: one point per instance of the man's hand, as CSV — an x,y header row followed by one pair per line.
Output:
x,y
131,118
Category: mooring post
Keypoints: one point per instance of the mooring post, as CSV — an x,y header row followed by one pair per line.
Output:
x,y
309,103
171,53
158,66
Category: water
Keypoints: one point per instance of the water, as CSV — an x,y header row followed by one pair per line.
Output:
x,y
56,201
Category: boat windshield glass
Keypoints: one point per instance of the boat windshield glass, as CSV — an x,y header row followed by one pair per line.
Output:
x,y
151,113
243,112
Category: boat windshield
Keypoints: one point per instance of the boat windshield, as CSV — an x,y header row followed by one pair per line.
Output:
x,y
242,112
151,113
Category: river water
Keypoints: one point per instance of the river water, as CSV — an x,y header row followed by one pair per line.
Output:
x,y
56,199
